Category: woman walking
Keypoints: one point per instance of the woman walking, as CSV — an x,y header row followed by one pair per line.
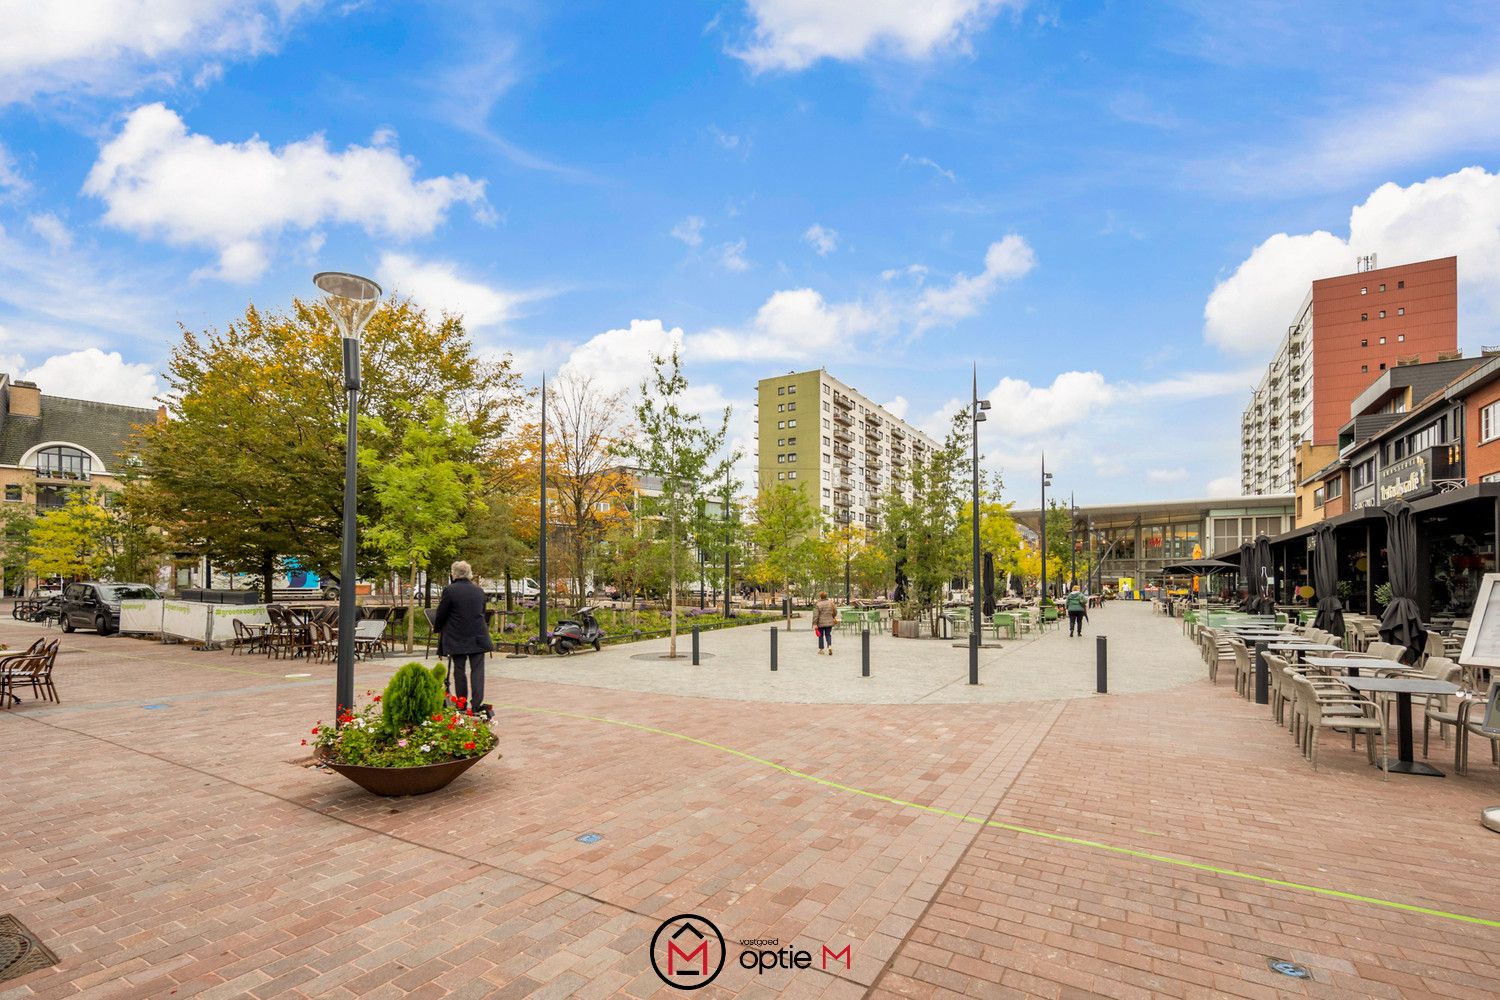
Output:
x,y
464,636
825,617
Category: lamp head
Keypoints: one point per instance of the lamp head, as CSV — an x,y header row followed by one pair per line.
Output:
x,y
984,404
351,299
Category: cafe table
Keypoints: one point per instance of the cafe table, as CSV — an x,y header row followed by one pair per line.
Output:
x,y
1262,672
1403,688
1353,664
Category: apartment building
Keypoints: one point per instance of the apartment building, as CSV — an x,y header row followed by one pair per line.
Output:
x,y
840,447
1348,330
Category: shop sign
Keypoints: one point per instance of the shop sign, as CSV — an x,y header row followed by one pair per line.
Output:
x,y
1406,478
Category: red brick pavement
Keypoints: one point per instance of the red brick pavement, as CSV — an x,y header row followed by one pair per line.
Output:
x,y
175,852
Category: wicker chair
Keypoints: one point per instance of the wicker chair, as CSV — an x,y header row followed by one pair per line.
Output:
x,y
1346,712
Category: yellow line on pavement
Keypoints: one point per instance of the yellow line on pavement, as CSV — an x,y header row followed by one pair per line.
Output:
x,y
1022,830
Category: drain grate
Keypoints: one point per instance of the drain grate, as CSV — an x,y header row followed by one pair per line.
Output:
x,y
589,838
20,951
1286,968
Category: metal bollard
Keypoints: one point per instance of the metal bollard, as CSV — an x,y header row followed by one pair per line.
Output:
x,y
773,649
1101,665
864,652
695,645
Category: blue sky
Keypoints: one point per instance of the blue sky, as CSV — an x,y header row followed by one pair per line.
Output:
x,y
1113,207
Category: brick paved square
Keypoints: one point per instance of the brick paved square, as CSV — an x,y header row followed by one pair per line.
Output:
x,y
1022,838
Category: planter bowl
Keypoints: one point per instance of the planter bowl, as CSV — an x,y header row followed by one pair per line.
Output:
x,y
404,780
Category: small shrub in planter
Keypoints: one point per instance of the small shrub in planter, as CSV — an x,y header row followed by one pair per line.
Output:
x,y
408,740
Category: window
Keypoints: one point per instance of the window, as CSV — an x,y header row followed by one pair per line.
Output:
x,y
825,423
791,456
792,474
1364,368
63,462
780,459
1382,366
1382,286
827,492
792,442
1363,317
1364,473
1336,486
826,443
1400,284
826,477
1489,428
791,390
1382,340
1364,343
781,475
793,405
791,423
781,425
1382,314
1318,497
826,459
13,492
1364,291
781,390
781,442
825,406
1401,311
780,407
1400,338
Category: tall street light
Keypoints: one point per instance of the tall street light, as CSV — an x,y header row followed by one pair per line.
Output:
x,y
541,597
1072,542
977,407
1046,481
351,300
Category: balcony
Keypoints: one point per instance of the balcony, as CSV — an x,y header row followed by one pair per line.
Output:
x,y
843,419
842,401
843,451
841,499
842,433
53,473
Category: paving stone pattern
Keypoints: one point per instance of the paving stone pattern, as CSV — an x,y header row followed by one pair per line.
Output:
x,y
175,852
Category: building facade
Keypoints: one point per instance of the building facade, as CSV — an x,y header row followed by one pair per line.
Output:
x,y
1348,329
1136,541
53,445
841,448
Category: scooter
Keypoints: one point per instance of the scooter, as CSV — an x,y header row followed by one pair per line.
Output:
x,y
572,633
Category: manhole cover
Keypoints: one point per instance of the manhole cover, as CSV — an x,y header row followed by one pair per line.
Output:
x,y
590,838
20,951
1286,968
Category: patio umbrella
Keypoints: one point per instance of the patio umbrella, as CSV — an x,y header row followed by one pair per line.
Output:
x,y
989,584
1261,600
1402,622
1247,575
1326,582
900,594
1201,567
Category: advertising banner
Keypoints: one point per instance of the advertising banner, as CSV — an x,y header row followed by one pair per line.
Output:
x,y
222,618
185,620
140,617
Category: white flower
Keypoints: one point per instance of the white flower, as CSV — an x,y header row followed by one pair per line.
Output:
x,y
427,748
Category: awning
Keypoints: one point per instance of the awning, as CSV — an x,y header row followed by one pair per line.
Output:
x,y
1202,567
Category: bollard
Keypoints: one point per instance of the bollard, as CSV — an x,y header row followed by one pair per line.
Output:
x,y
695,645
864,652
973,656
773,649
1262,675
1101,665
786,612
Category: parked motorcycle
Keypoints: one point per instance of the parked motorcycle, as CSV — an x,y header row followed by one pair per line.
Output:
x,y
572,633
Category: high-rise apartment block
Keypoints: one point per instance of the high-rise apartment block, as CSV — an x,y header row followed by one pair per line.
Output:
x,y
1348,330
841,448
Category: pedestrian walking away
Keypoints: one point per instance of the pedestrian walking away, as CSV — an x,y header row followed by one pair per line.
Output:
x,y
825,617
1077,611
464,637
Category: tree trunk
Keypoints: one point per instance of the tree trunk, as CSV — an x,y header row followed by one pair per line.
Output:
x,y
411,613
267,568
508,605
672,645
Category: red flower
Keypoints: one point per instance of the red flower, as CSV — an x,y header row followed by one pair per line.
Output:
x,y
469,745
452,725
460,701
315,730
437,717
304,743
377,697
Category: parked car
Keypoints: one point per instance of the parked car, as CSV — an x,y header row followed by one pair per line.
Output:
x,y
96,605
520,587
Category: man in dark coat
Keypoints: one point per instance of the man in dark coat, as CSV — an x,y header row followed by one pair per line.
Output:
x,y
464,636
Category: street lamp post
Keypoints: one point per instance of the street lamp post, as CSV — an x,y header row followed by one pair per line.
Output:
x,y
351,300
1072,542
976,411
1046,480
727,493
541,597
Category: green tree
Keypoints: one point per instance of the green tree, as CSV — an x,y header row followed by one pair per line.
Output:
x,y
675,448
421,491
783,531
921,534
16,523
249,465
72,541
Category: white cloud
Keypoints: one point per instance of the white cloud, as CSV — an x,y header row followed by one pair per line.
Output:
x,y
113,46
438,287
824,241
159,180
50,228
10,176
922,161
1026,410
732,256
619,360
690,230
796,323
1005,260
794,34
898,407
1160,477
1458,213
93,374
1223,486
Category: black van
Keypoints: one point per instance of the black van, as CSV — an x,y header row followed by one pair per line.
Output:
x,y
97,605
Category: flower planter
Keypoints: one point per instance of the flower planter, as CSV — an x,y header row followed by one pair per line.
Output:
x,y
404,780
